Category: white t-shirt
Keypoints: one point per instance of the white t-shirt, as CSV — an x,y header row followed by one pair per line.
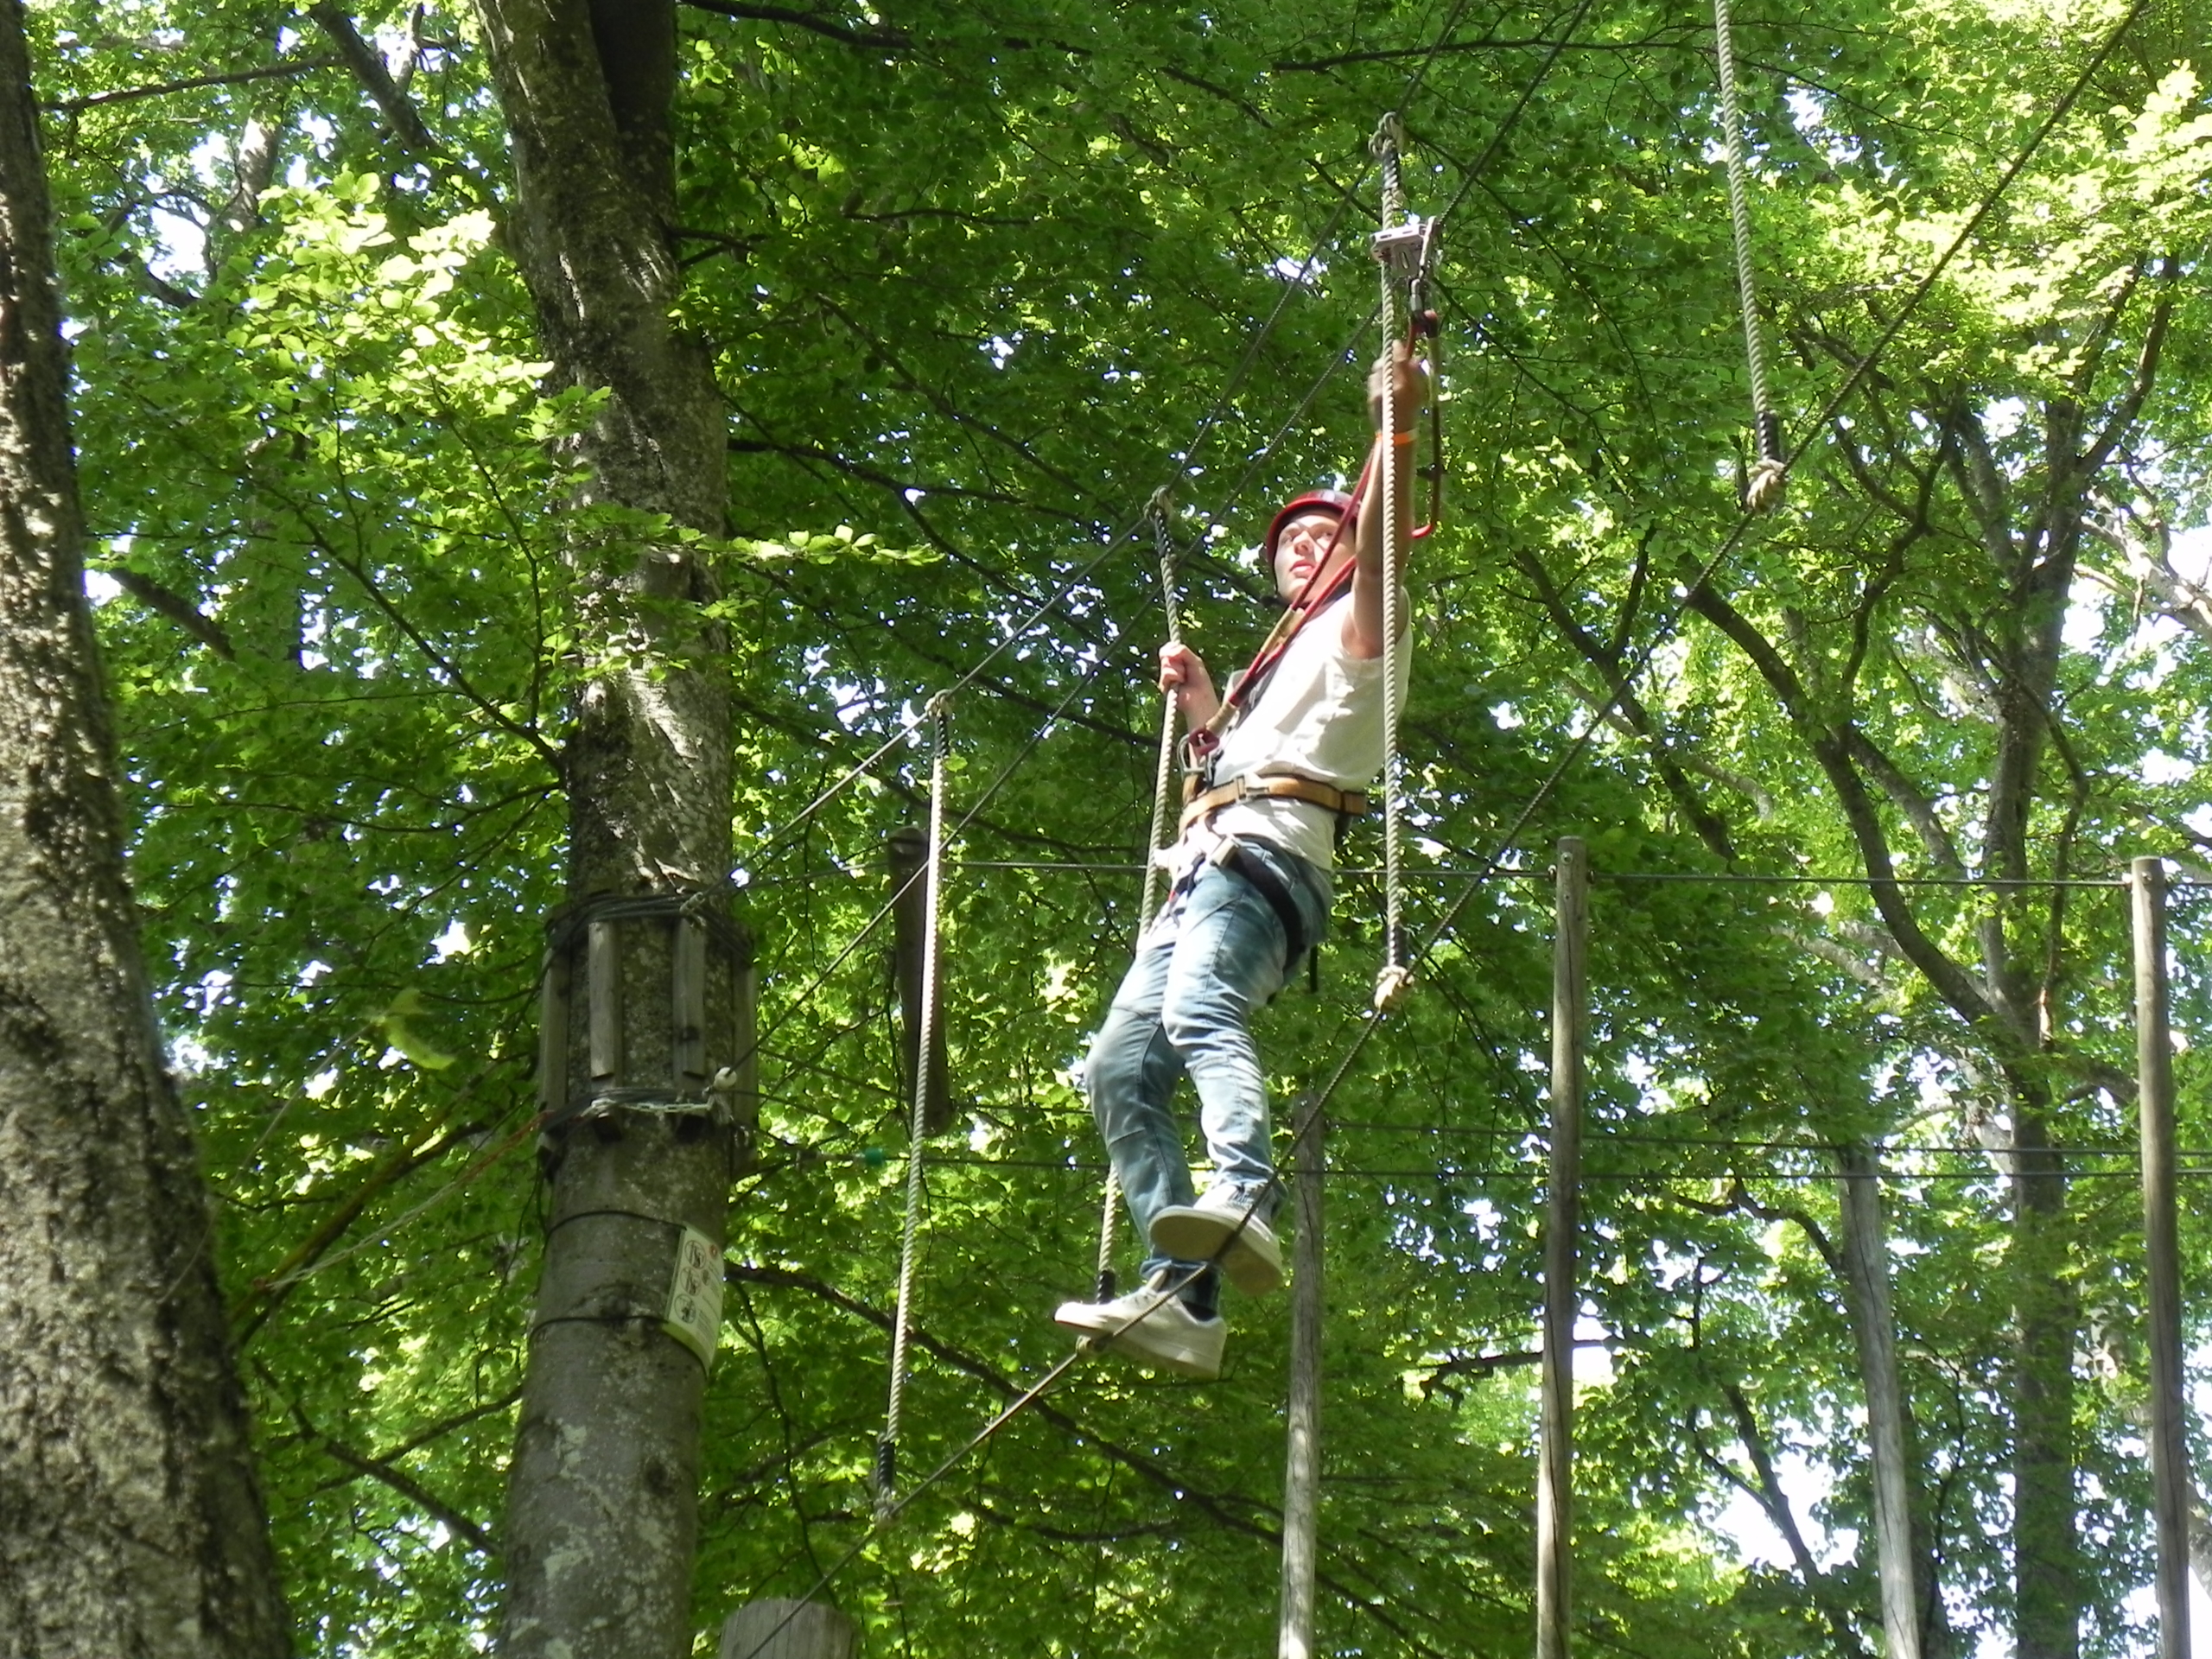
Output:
x,y
1319,716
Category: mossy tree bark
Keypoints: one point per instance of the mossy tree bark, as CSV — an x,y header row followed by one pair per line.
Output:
x,y
129,1520
601,1507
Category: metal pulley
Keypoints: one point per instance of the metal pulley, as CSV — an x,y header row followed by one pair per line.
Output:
x,y
1407,251
1405,247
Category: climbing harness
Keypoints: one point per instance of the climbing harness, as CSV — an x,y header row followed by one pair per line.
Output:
x,y
1365,1028
887,1448
1346,804
1762,485
1405,249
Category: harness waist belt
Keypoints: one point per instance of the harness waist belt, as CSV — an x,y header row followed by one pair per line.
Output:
x,y
1280,786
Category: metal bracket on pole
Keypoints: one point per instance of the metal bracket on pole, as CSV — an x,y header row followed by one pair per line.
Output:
x,y
594,950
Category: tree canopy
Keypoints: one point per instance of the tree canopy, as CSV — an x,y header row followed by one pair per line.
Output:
x,y
1859,777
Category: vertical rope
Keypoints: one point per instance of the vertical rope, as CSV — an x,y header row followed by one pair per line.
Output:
x,y
1164,779
1763,489
887,1448
1391,982
1163,786
1110,1222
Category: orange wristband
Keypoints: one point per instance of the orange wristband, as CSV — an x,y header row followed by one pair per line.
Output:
x,y
1402,439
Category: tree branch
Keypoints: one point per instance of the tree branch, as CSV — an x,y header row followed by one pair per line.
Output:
x,y
476,1536
2124,413
1677,39
1710,829
1831,748
1919,811
446,1426
521,730
884,40
367,65
162,89
173,606
1768,1492
269,1292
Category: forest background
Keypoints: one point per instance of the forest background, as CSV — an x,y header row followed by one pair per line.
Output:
x,y
973,282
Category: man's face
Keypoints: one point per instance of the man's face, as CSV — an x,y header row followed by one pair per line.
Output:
x,y
1302,545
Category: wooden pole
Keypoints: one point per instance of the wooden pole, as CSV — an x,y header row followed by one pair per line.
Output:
x,y
1866,1274
1562,1221
1302,1466
2154,1053
782,1629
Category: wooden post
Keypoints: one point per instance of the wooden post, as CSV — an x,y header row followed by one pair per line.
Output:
x,y
907,851
1302,1469
2154,1054
782,1628
1866,1275
1562,1221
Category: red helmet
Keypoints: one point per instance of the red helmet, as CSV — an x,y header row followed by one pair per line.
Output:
x,y
1334,501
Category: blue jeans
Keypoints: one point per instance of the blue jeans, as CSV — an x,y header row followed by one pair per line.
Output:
x,y
1215,952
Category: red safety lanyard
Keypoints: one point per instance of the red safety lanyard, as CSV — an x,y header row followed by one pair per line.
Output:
x,y
1199,748
1200,745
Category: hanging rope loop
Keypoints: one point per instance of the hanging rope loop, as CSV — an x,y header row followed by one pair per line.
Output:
x,y
939,714
1763,484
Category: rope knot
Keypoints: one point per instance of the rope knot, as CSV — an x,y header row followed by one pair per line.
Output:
x,y
1389,137
1763,487
1390,987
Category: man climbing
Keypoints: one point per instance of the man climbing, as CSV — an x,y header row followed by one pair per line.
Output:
x,y
1250,870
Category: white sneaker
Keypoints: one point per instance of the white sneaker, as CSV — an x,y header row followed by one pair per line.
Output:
x,y
1198,1232
1152,1324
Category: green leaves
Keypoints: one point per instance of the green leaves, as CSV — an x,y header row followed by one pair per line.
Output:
x,y
837,545
976,281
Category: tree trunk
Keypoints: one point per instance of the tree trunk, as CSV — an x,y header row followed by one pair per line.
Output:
x,y
603,1494
130,1521
2045,1546
1913,1620
2037,565
2035,562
